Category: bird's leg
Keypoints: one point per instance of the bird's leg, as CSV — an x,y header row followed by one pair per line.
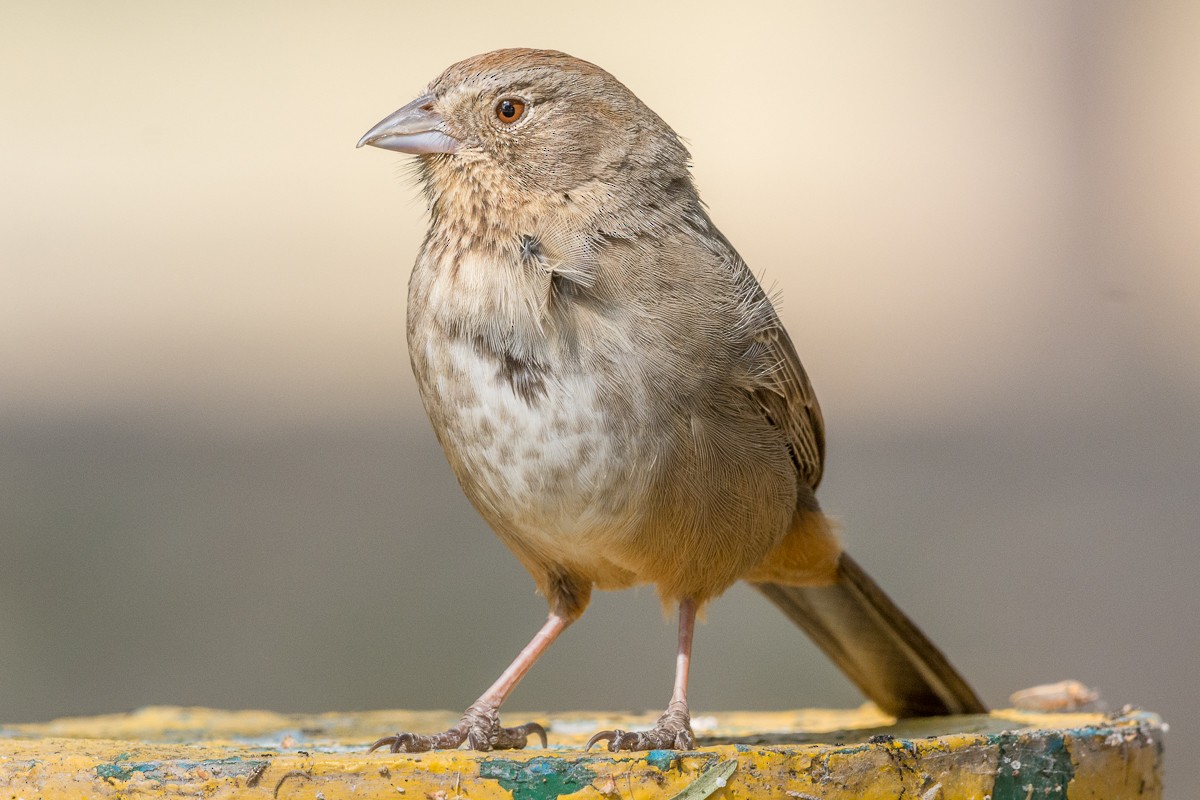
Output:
x,y
480,725
673,731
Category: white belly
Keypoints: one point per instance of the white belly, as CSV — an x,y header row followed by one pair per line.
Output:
x,y
545,466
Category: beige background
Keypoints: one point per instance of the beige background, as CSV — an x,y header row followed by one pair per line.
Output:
x,y
216,486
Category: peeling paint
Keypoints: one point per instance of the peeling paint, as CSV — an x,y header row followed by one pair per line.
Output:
x,y
1032,767
539,778
123,769
661,759
1006,755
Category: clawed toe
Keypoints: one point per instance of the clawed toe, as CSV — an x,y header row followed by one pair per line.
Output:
x,y
657,738
673,731
497,738
522,733
617,740
416,743
479,728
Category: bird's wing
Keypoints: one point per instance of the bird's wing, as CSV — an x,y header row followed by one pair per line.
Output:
x,y
786,397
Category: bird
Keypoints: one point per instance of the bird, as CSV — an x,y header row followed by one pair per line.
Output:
x,y
614,389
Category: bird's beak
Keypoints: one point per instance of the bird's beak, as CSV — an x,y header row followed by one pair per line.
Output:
x,y
416,128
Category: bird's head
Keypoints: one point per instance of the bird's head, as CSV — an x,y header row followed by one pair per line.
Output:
x,y
534,124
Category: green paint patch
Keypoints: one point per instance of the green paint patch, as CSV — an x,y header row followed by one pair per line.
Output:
x,y
1034,767
122,769
661,759
537,778
123,772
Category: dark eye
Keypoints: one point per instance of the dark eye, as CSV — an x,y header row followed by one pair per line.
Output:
x,y
509,110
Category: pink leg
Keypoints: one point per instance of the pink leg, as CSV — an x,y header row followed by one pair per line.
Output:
x,y
683,657
480,725
673,731
499,691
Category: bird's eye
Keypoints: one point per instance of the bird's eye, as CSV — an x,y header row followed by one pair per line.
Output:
x,y
509,110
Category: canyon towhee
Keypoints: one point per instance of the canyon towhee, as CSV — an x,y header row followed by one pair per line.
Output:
x,y
614,390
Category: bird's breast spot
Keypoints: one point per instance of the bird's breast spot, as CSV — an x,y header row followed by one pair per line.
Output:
x,y
549,456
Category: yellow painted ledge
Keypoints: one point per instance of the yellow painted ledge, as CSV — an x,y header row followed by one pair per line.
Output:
x,y
166,752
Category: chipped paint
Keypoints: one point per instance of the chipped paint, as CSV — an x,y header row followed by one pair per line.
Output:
x,y
1032,766
661,759
539,778
808,754
122,769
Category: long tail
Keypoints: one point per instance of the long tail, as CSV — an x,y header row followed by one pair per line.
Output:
x,y
876,645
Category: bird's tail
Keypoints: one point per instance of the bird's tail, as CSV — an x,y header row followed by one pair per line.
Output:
x,y
876,645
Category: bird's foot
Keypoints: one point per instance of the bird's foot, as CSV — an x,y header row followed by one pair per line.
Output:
x,y
673,731
479,728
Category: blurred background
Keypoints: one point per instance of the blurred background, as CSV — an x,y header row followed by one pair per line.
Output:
x,y
217,486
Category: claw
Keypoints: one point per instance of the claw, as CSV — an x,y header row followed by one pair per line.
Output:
x,y
673,731
479,728
412,743
602,736
533,727
621,740
381,742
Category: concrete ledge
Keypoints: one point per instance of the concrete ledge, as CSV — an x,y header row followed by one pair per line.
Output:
x,y
808,754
